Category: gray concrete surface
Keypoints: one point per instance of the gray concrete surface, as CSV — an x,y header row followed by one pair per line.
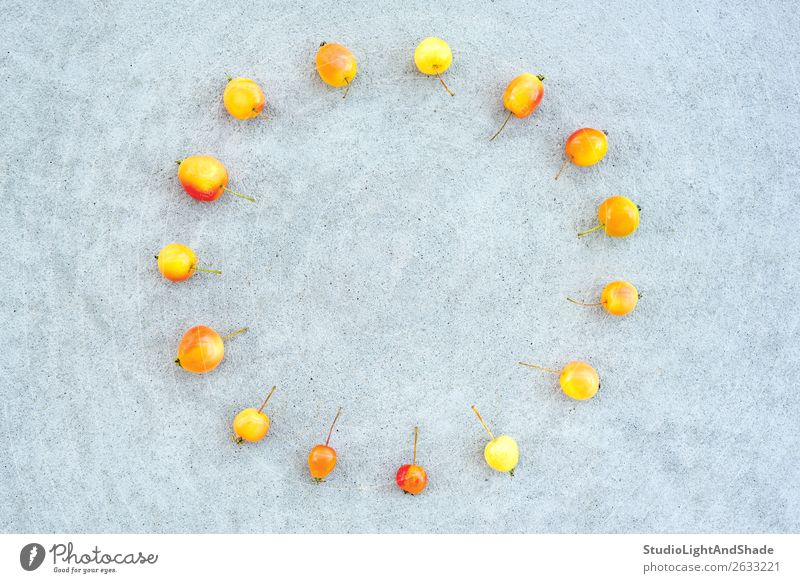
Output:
x,y
398,264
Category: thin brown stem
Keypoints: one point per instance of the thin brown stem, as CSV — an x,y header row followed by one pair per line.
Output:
x,y
347,87
232,334
592,230
529,365
486,427
560,170
416,436
446,88
239,194
264,404
508,117
584,304
339,412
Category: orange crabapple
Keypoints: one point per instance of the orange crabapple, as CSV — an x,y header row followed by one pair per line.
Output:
x,y
205,178
177,262
252,424
619,298
618,216
521,98
585,147
578,379
201,349
322,458
412,478
336,65
243,98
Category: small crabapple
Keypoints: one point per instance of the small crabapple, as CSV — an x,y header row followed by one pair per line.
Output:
x,y
412,478
177,262
619,298
578,379
201,349
502,452
522,96
252,424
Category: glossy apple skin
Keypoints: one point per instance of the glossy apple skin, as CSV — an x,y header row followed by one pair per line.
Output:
x,y
523,95
243,98
579,380
411,478
321,461
619,216
502,453
619,298
201,350
177,262
251,425
432,56
586,146
336,65
204,178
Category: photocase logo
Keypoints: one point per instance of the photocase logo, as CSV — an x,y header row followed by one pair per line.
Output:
x,y
31,556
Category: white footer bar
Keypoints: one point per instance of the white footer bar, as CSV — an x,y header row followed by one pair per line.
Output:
x,y
402,558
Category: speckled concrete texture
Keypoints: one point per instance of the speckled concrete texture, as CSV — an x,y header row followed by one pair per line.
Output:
x,y
399,265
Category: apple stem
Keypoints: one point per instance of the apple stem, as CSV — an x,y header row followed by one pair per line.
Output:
x,y
347,87
552,370
508,117
486,427
264,404
232,334
214,271
239,194
416,436
584,304
560,170
446,88
592,230
338,412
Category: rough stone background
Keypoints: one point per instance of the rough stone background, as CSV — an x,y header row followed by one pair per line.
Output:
x,y
398,264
